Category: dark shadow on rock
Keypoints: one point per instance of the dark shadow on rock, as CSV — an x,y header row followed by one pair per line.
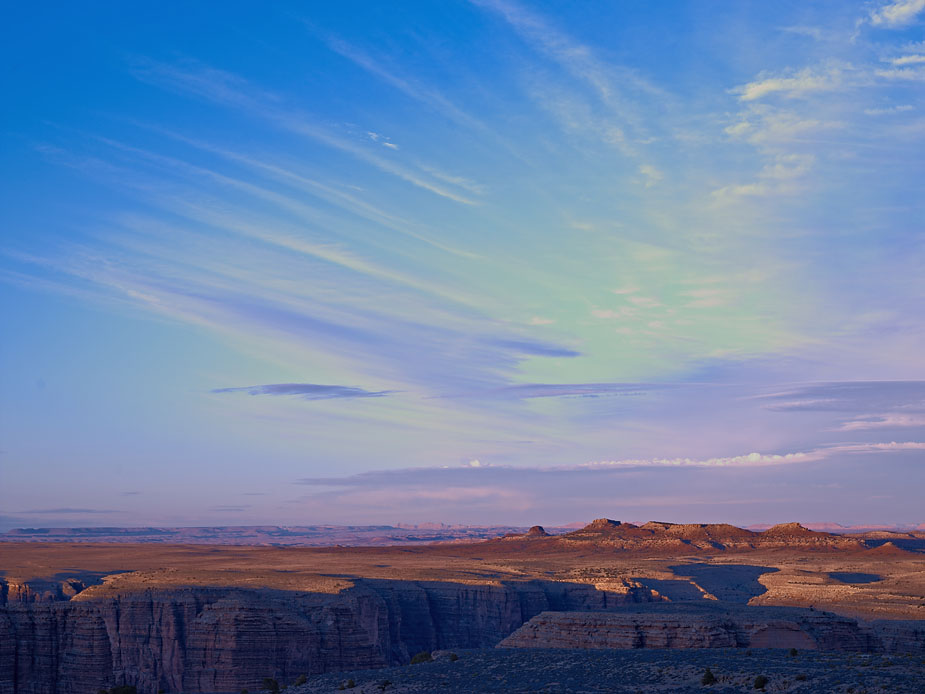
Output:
x,y
908,544
58,587
849,577
737,583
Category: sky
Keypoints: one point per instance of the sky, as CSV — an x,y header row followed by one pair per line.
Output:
x,y
470,261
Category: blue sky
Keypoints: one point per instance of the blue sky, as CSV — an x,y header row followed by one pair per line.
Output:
x,y
464,261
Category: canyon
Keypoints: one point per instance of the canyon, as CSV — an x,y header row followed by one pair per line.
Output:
x,y
78,617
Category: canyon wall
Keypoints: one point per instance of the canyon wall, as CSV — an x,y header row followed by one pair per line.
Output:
x,y
225,639
70,640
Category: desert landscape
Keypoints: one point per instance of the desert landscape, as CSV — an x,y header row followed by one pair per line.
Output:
x,y
80,617
502,346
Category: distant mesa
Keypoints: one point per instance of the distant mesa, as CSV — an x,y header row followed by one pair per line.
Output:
x,y
656,525
602,524
788,529
535,532
664,538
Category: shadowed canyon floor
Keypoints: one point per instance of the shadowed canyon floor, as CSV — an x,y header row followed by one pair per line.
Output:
x,y
221,618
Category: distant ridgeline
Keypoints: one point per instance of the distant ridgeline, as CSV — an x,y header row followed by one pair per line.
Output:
x,y
294,536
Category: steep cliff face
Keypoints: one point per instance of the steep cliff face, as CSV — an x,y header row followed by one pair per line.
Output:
x,y
39,591
203,640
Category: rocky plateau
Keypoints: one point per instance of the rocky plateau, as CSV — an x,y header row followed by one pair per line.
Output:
x,y
79,617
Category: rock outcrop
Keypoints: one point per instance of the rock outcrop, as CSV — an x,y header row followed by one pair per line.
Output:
x,y
716,626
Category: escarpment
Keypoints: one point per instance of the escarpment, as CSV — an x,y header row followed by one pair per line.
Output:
x,y
213,639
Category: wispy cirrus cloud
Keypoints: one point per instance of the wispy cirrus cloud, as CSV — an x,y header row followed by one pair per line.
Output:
x,y
887,420
848,396
233,91
409,86
570,390
67,511
616,87
307,391
535,348
340,195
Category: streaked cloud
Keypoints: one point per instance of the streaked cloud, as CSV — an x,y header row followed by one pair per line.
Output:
x,y
307,391
233,91
429,96
559,390
849,396
889,420
67,511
